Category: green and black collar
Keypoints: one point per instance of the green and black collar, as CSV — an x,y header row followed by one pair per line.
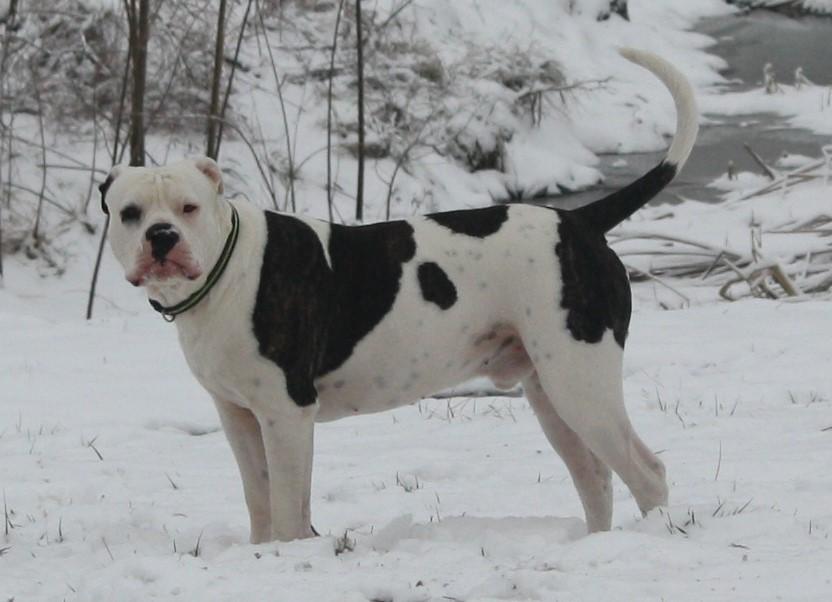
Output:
x,y
170,313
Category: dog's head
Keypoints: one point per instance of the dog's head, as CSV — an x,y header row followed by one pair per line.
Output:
x,y
167,224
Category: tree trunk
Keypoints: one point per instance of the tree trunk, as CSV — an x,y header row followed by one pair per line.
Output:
x,y
139,35
359,195
212,146
9,26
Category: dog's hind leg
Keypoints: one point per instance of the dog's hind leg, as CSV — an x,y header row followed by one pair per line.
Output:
x,y
584,384
592,478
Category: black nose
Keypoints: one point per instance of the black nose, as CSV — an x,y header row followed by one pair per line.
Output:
x,y
162,238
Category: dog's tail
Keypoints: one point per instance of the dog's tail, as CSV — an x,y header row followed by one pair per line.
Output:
x,y
606,213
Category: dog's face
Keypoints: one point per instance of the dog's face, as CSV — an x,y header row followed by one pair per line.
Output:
x,y
167,224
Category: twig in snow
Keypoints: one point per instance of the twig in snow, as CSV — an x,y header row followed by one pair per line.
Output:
x,y
772,175
197,550
7,523
106,547
91,445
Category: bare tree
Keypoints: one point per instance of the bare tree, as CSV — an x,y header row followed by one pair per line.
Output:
x,y
138,17
329,184
228,85
117,152
359,195
9,24
212,145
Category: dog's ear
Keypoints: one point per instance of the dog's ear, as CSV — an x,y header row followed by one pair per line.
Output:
x,y
105,186
211,170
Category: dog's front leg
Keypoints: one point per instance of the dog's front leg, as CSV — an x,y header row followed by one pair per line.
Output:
x,y
243,432
288,437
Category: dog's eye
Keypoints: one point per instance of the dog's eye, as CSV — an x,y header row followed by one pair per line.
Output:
x,y
189,208
131,214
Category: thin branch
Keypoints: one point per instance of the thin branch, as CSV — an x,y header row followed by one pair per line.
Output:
x,y
213,111
329,195
234,64
759,161
43,172
98,257
359,46
279,86
93,171
567,88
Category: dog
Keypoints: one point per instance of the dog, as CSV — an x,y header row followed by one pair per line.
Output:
x,y
287,320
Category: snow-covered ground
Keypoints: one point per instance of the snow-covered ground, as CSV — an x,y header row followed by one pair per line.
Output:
x,y
117,483
114,472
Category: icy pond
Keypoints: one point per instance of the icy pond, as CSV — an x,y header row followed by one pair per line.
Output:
x,y
747,43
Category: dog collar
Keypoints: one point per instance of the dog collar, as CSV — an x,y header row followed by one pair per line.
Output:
x,y
170,313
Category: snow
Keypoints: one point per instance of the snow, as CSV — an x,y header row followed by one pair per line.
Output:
x,y
460,498
808,107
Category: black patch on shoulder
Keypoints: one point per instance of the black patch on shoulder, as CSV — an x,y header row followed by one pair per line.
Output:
x,y
436,286
292,304
473,222
596,290
308,317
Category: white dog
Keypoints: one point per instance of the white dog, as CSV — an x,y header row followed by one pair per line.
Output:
x,y
287,320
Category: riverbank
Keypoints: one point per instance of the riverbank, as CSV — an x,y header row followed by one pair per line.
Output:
x,y
738,112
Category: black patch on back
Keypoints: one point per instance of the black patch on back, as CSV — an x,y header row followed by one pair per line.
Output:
x,y
367,270
596,290
308,317
473,222
436,286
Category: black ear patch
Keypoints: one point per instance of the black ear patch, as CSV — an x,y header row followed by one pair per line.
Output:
x,y
436,286
473,222
596,290
103,188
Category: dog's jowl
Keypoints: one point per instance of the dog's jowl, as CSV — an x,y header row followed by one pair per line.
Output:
x,y
287,321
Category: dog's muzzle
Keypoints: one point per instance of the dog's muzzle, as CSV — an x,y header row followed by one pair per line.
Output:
x,y
162,238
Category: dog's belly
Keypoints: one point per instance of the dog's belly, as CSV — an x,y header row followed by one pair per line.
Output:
x,y
410,373
416,353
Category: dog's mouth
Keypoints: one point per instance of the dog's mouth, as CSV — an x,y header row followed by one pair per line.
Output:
x,y
178,263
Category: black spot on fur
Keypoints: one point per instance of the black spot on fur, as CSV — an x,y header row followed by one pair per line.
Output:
x,y
596,290
473,222
436,286
308,317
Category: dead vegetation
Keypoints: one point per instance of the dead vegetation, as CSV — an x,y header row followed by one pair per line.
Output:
x,y
749,271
